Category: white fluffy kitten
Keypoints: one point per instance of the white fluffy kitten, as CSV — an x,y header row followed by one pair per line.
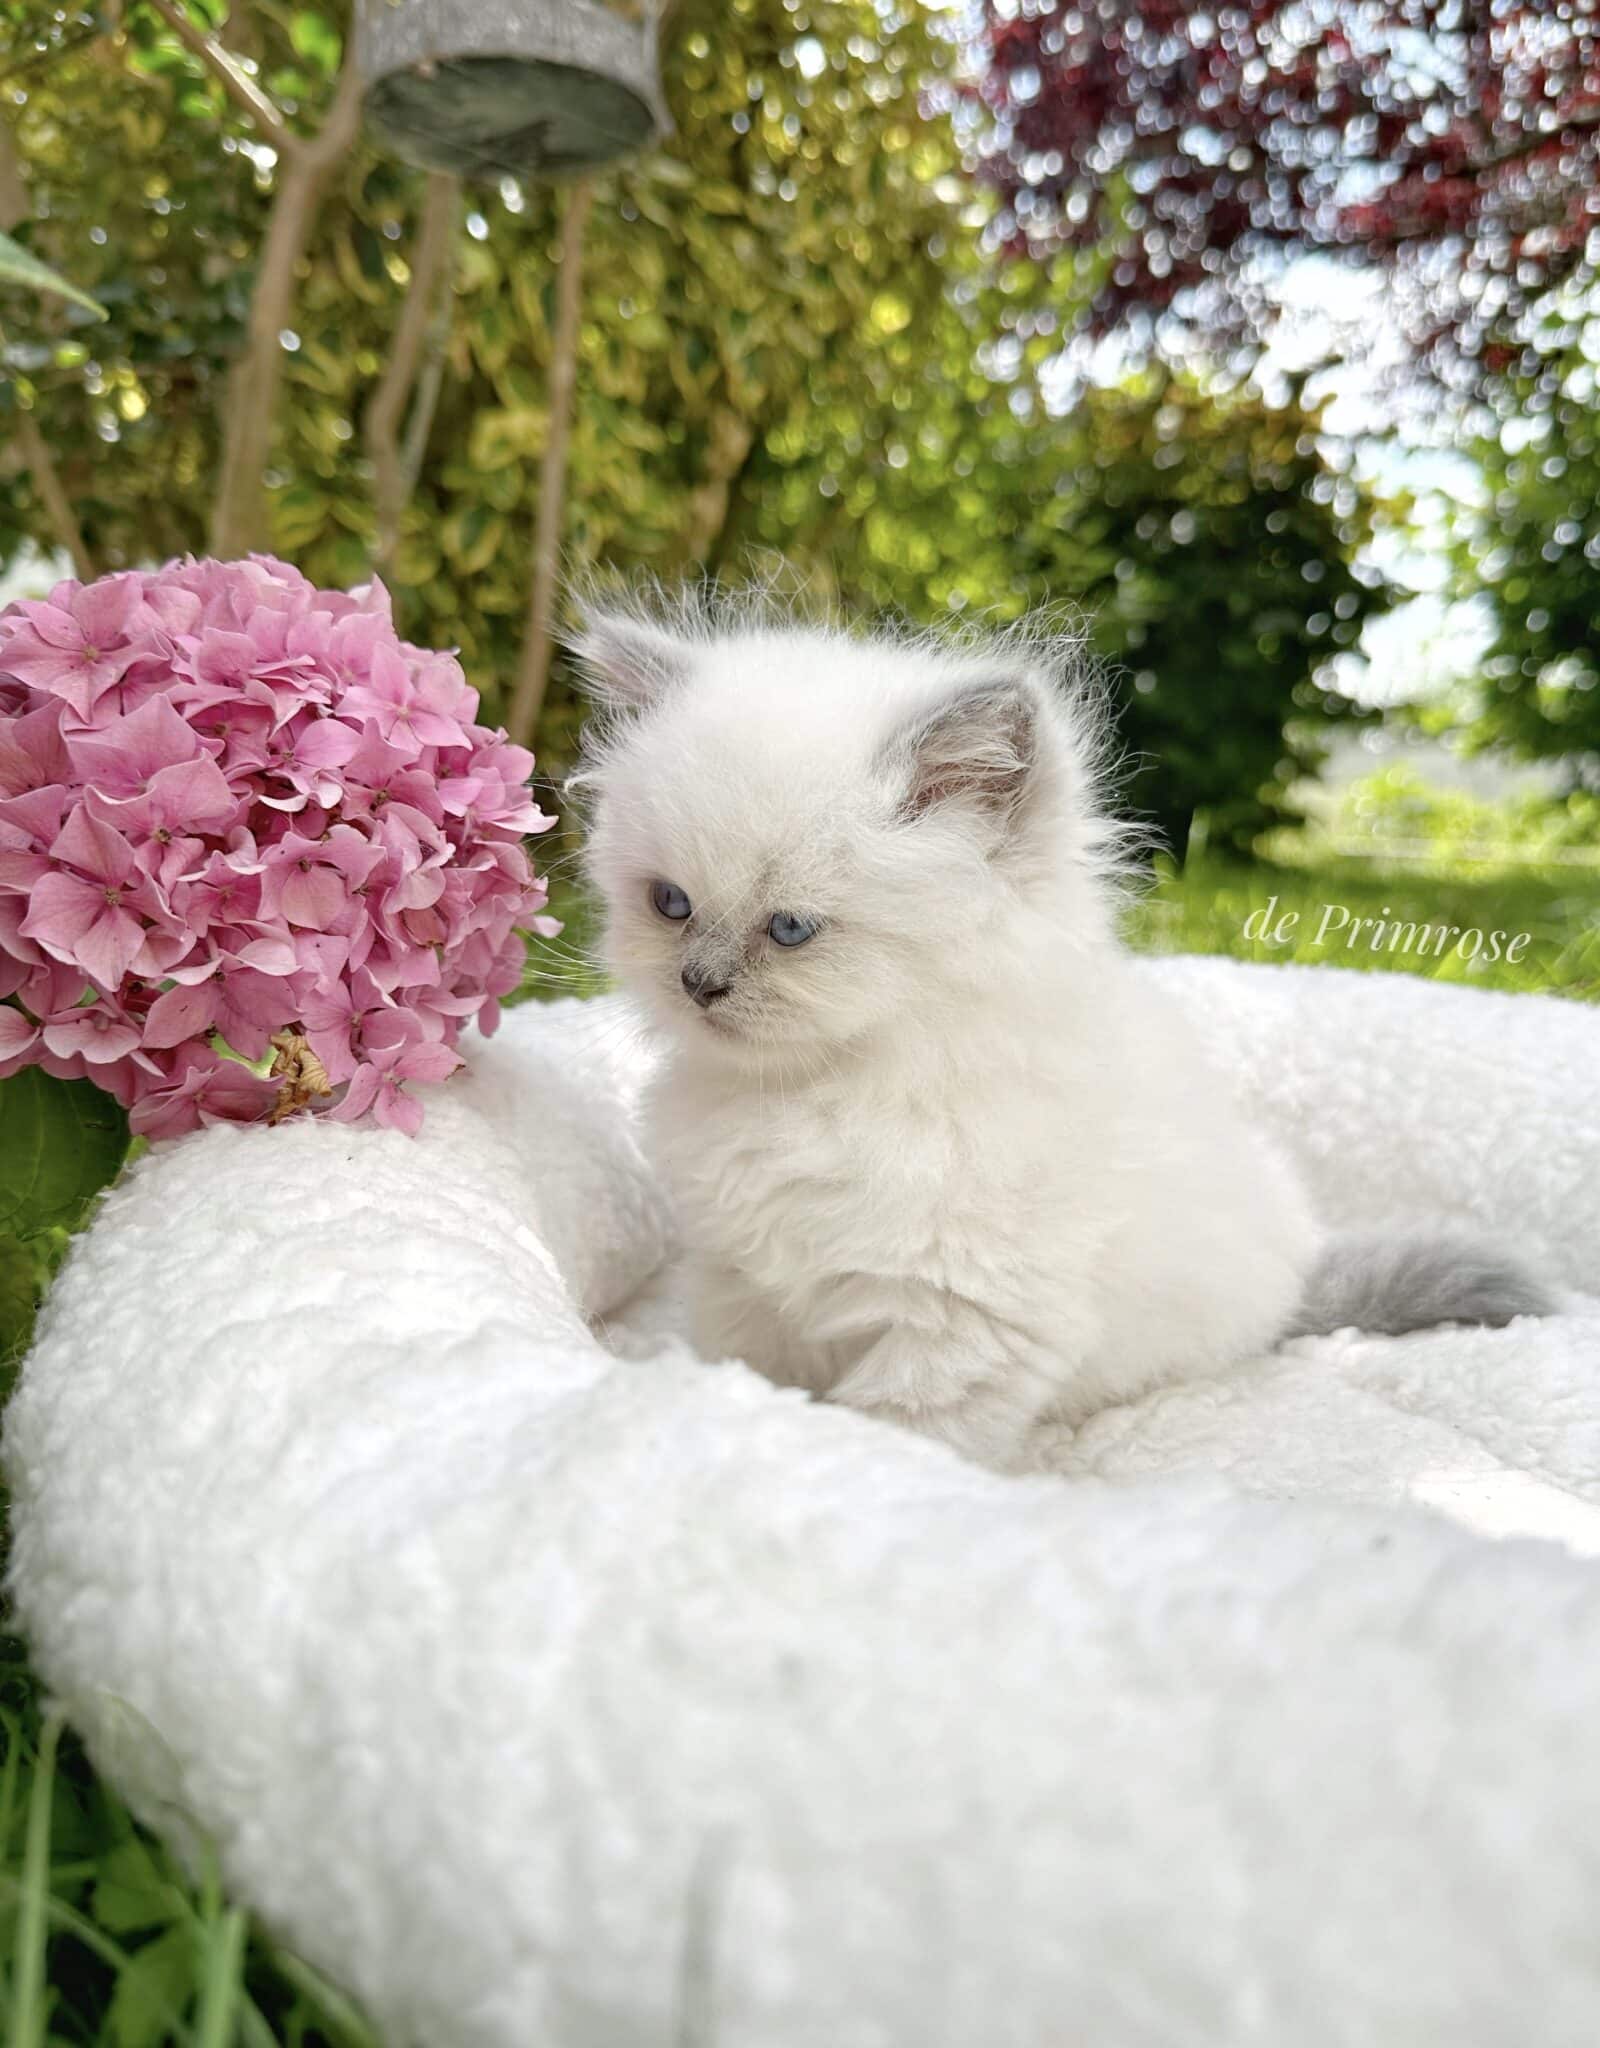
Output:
x,y
939,1150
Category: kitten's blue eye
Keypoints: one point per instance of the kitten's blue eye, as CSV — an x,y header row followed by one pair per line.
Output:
x,y
670,900
788,930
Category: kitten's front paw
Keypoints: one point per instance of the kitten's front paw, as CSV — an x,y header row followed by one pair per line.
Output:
x,y
894,1376
979,1421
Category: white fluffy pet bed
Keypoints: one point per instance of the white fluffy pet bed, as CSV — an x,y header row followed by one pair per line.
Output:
x,y
553,1700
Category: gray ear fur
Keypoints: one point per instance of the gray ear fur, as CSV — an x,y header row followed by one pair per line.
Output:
x,y
980,748
628,663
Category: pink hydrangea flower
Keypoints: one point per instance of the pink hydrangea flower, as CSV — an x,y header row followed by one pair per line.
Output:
x,y
240,814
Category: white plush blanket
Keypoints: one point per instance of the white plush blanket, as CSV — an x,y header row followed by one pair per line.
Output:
x,y
554,1699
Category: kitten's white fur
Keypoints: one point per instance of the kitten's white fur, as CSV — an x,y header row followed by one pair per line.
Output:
x,y
953,1161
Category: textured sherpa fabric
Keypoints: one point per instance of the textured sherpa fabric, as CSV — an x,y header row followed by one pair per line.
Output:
x,y
552,1699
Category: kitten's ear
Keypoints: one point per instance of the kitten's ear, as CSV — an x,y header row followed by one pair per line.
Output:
x,y
628,663
980,748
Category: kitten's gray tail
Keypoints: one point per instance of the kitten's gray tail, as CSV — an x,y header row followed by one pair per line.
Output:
x,y
1391,1282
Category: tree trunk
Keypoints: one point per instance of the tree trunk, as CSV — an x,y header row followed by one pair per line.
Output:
x,y
421,333
52,494
239,513
534,675
25,429
240,33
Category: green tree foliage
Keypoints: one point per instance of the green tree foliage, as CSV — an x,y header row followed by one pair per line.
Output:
x,y
1205,539
60,1142
1533,553
794,341
736,280
1215,549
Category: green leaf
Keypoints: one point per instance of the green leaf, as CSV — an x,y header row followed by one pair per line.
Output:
x,y
16,1300
316,40
473,538
153,1991
61,1142
299,515
132,1892
17,266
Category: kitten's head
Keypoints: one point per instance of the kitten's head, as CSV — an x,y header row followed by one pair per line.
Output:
x,y
801,837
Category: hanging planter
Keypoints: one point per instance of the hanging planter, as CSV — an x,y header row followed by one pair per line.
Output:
x,y
490,88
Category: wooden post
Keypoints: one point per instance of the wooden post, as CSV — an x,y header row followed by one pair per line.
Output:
x,y
534,675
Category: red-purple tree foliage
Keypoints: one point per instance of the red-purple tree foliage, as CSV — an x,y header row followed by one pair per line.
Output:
x,y
1167,143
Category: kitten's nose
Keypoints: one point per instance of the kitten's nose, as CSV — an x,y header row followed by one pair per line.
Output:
x,y
703,986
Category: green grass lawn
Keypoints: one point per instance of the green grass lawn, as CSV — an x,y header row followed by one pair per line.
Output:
x,y
103,1940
